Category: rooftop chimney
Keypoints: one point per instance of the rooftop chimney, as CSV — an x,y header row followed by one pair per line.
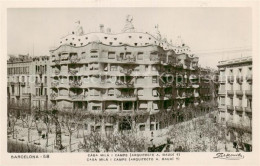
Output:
x,y
108,30
101,26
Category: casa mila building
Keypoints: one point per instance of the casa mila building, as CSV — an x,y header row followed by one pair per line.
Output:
x,y
127,80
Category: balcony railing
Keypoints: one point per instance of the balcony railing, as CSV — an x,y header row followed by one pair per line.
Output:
x,y
230,79
76,96
54,84
124,84
23,83
75,84
230,107
126,97
230,92
239,125
248,92
239,108
53,96
74,60
168,95
57,72
126,71
222,79
179,65
73,71
239,92
57,61
26,94
249,77
248,109
239,79
129,60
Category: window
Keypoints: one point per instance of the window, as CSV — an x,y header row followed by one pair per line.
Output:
x,y
155,106
111,92
111,55
113,68
240,102
222,101
140,56
140,80
142,127
96,108
85,126
154,79
140,92
249,103
231,101
155,92
154,68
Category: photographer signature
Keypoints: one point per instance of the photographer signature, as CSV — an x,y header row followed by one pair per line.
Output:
x,y
229,156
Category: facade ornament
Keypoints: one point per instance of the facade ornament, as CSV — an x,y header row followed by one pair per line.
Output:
x,y
157,32
78,30
129,27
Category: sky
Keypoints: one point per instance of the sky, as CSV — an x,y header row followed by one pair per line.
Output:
x,y
205,30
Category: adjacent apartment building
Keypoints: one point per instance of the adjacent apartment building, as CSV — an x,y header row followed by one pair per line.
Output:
x,y
235,99
27,82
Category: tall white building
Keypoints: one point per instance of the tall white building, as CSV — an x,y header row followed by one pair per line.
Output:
x,y
235,99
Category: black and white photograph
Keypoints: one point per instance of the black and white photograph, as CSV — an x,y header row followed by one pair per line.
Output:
x,y
122,80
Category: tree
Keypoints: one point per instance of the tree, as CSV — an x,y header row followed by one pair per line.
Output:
x,y
12,120
71,117
28,120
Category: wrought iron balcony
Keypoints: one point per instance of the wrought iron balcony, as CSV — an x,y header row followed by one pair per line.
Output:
x,y
54,84
57,61
53,96
230,79
75,84
230,107
239,79
126,71
248,92
222,79
238,125
23,83
57,72
248,109
74,60
128,60
239,108
239,92
179,65
124,84
76,96
126,97
168,95
73,71
249,77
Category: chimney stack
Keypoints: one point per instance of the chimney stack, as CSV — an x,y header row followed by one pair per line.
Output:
x,y
108,30
101,26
